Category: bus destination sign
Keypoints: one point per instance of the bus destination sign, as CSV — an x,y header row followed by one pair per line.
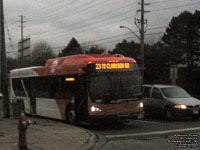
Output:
x,y
112,66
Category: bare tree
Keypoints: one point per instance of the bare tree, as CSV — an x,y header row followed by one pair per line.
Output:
x,y
89,48
11,63
86,46
152,39
41,53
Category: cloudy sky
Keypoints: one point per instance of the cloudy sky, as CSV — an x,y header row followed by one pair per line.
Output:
x,y
89,21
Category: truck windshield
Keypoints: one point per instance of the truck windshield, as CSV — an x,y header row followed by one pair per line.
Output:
x,y
175,92
114,87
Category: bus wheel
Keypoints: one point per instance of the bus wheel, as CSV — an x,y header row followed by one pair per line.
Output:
x,y
70,115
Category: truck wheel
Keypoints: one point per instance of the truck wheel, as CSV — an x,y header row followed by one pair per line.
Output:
x,y
70,115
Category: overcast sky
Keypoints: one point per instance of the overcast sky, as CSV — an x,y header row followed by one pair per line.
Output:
x,y
94,21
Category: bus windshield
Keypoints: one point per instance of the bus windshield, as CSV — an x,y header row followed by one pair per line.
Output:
x,y
111,87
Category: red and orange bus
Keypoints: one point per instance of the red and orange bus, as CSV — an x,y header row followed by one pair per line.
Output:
x,y
80,88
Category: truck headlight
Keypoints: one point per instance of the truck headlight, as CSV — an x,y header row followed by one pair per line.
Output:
x,y
180,106
140,105
95,109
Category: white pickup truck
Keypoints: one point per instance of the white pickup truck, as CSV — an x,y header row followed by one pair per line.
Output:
x,y
169,102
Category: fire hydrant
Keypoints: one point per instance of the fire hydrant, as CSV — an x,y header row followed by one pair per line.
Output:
x,y
22,127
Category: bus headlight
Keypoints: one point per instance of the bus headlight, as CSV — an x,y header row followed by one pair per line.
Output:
x,y
180,106
95,109
140,105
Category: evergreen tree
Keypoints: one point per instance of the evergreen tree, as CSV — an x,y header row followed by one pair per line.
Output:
x,y
72,48
183,38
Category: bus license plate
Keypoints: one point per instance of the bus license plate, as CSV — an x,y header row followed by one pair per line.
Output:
x,y
195,112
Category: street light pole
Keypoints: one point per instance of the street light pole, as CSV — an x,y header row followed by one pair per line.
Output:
x,y
141,39
131,31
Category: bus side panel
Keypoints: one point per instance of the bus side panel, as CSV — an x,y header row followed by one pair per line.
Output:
x,y
12,96
47,107
62,104
26,103
27,108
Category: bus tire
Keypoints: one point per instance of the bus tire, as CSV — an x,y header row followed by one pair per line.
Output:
x,y
70,115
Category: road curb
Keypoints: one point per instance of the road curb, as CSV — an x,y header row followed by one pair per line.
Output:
x,y
91,141
100,142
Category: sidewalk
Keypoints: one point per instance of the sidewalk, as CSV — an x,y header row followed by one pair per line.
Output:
x,y
46,135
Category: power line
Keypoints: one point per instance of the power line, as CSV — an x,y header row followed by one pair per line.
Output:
x,y
175,7
93,27
99,40
47,8
75,8
105,13
50,16
155,28
86,25
9,36
90,29
158,10
72,13
153,10
65,13
58,10
57,3
153,3
127,38
42,8
111,37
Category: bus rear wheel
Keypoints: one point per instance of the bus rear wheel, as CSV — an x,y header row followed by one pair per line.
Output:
x,y
70,115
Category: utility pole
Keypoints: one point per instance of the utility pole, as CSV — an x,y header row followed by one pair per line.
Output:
x,y
22,39
3,68
1,45
141,23
24,45
142,40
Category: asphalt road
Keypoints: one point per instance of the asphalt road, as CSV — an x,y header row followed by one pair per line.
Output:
x,y
149,133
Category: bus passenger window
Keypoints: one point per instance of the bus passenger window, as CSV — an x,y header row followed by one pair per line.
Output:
x,y
62,89
17,86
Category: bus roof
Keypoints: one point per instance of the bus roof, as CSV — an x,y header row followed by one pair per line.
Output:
x,y
73,64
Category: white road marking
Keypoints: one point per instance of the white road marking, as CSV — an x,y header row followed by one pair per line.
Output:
x,y
152,133
152,122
